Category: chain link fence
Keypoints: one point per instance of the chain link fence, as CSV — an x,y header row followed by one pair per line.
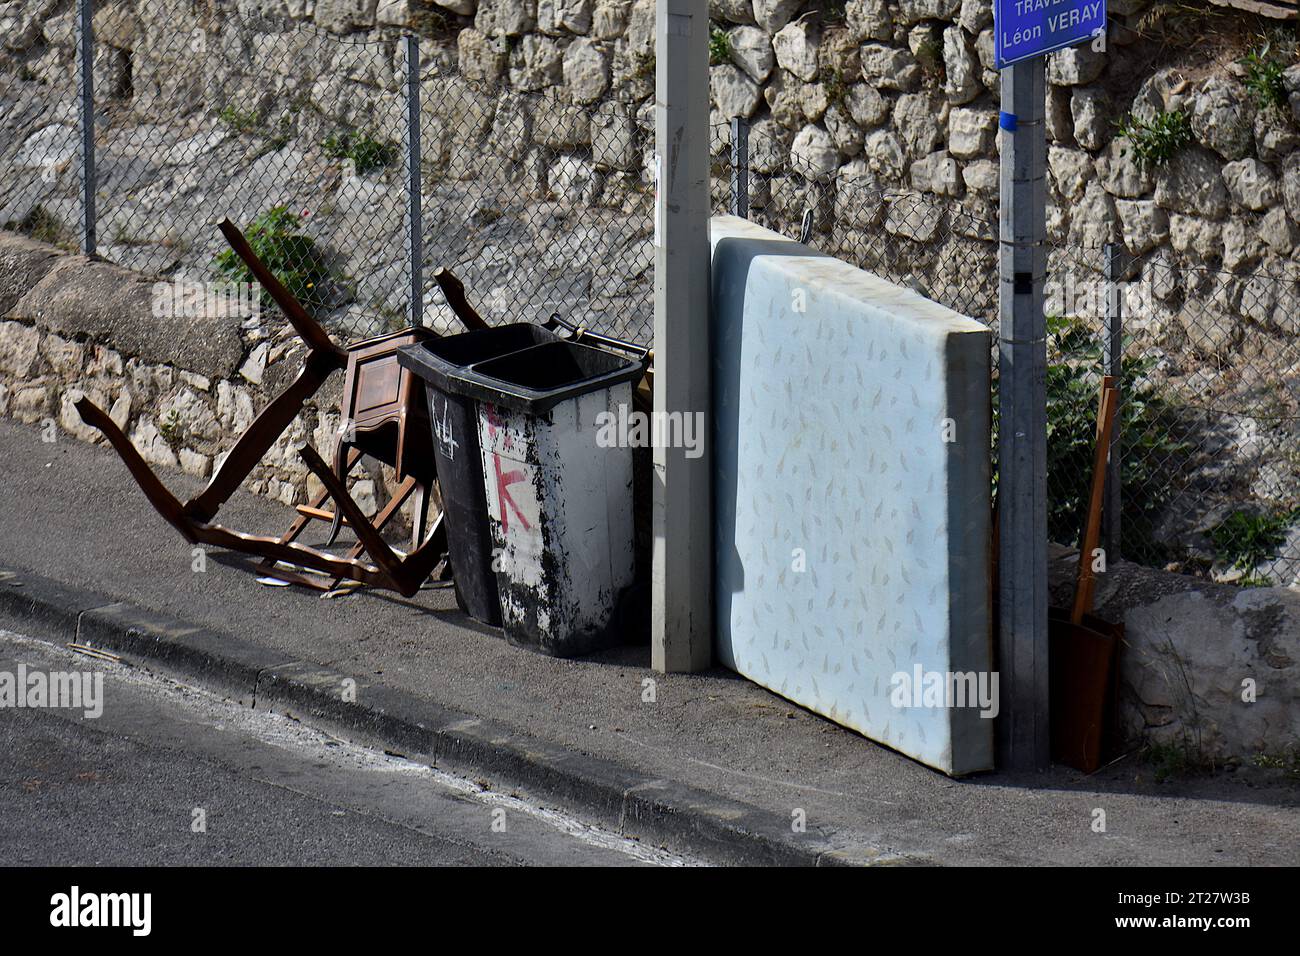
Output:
x,y
1210,377
306,140
540,205
222,121
944,248
39,140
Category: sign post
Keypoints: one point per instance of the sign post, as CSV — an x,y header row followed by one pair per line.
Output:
x,y
1025,31
681,600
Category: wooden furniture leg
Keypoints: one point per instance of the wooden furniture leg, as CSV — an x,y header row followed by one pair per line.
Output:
x,y
419,515
200,532
453,290
406,574
342,466
384,516
300,523
325,357
261,435
307,514
163,501
308,329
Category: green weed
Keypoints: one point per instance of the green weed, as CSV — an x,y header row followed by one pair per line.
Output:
x,y
241,121
1265,63
719,45
1157,140
1245,537
364,151
1148,424
292,257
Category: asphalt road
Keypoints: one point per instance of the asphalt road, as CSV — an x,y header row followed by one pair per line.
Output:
x,y
170,774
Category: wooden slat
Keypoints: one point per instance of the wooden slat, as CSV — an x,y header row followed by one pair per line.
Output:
x,y
1087,581
197,532
320,514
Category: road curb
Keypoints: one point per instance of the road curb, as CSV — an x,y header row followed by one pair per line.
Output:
x,y
650,809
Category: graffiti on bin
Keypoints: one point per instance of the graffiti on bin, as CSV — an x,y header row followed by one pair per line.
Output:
x,y
442,429
513,498
507,504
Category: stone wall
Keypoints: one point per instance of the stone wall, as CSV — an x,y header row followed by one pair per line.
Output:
x,y
206,110
904,95
899,93
1208,669
878,115
847,100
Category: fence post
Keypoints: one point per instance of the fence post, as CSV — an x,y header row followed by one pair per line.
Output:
x,y
740,167
1112,360
414,214
86,120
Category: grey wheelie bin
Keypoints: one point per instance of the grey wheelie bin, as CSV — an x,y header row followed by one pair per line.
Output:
x,y
454,418
558,488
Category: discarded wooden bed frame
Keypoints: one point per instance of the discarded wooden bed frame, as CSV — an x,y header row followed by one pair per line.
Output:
x,y
194,519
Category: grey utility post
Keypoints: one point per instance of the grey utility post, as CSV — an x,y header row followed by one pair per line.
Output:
x,y
1024,741
86,120
681,613
414,214
1112,364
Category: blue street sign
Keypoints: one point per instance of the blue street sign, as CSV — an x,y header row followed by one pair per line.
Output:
x,y
1028,28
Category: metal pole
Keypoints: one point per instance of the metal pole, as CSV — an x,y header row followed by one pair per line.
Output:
x,y
740,167
1023,725
681,611
86,120
414,213
1112,364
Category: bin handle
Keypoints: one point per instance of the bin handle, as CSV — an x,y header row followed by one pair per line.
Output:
x,y
580,332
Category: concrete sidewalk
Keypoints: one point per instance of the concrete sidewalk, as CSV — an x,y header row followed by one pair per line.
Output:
x,y
714,764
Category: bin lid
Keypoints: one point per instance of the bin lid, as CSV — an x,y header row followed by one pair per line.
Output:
x,y
534,380
436,360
